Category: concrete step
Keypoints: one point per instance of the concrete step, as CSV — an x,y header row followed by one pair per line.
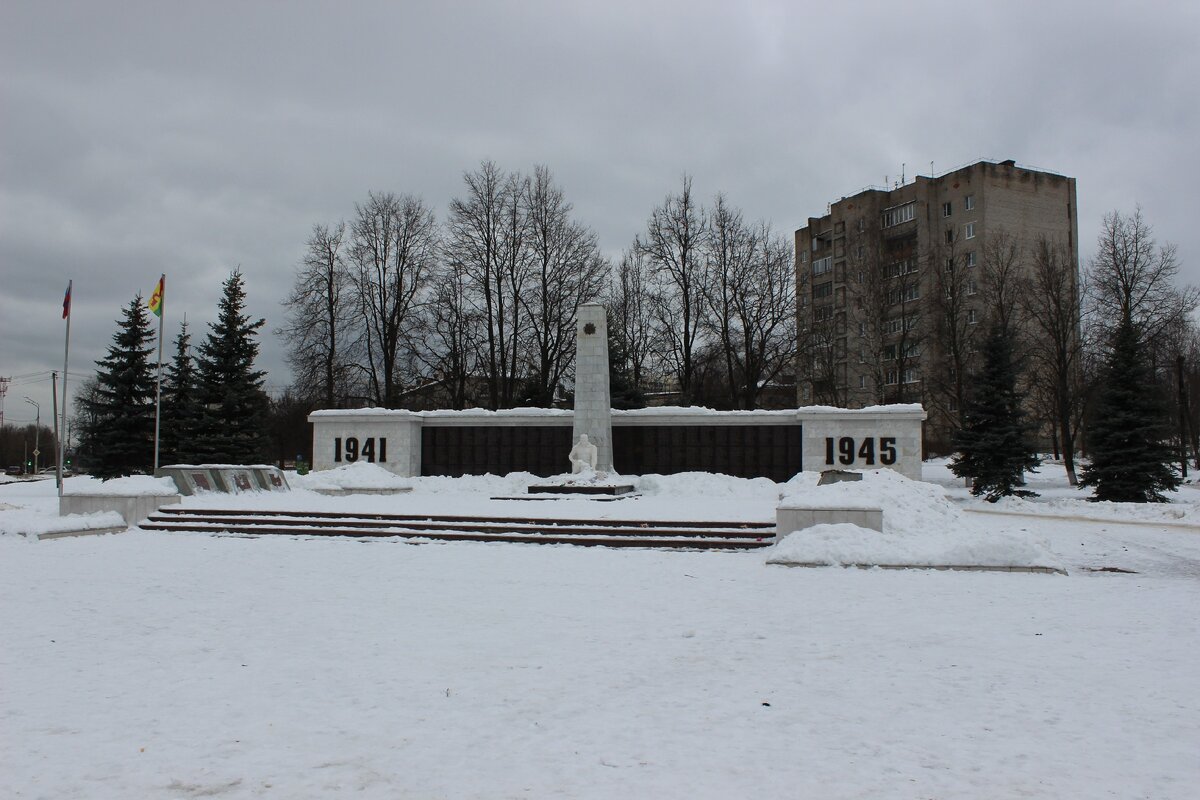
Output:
x,y
608,533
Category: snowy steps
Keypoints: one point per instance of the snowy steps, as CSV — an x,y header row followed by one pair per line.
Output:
x,y
691,535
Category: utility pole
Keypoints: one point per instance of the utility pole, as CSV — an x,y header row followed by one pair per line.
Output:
x,y
3,390
37,432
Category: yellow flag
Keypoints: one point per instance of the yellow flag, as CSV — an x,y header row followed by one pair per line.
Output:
x,y
156,298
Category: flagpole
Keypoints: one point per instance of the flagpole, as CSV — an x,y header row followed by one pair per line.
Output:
x,y
162,284
66,356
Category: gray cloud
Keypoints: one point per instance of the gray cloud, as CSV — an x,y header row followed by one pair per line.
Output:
x,y
147,137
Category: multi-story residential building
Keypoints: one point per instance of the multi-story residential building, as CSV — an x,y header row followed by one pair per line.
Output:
x,y
891,281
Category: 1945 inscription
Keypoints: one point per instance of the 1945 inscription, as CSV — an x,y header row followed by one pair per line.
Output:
x,y
846,449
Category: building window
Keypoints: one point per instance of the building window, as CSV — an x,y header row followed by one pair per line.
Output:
x,y
862,381
822,265
862,329
908,376
904,294
823,289
889,377
969,230
900,214
971,287
949,235
906,266
971,318
822,314
971,259
952,405
969,202
947,209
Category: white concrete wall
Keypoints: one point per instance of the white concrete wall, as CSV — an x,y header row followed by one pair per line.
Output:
x,y
401,429
132,508
872,433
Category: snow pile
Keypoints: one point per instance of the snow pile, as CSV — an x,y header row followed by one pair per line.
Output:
x,y
707,485
359,475
587,477
16,521
921,528
131,486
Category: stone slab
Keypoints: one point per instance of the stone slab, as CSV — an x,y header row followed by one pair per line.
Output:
x,y
600,498
586,489
798,517
954,567
132,508
349,490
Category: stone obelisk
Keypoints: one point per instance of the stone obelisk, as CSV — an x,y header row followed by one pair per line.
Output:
x,y
593,403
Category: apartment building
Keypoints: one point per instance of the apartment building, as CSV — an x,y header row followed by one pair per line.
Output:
x,y
886,272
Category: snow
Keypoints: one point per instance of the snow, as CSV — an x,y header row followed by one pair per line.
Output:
x,y
182,665
359,475
920,528
133,485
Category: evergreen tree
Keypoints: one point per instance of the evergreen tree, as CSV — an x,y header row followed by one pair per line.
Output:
x,y
117,436
231,390
182,421
993,445
1129,435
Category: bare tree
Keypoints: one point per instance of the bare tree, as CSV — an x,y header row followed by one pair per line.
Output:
x,y
566,271
449,336
1132,278
486,239
1004,282
729,249
394,246
673,247
630,316
868,307
319,320
1052,307
953,326
764,313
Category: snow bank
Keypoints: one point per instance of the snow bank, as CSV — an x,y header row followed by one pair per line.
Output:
x,y
921,527
359,475
707,485
32,523
132,486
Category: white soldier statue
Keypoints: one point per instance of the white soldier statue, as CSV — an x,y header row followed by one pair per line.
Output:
x,y
583,456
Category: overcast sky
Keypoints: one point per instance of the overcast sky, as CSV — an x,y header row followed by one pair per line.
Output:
x,y
191,138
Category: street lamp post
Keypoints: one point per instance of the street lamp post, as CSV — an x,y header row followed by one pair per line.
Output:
x,y
37,432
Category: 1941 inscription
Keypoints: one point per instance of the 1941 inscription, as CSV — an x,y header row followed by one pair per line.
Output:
x,y
352,449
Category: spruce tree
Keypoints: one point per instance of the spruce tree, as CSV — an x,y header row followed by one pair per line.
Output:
x,y
231,390
182,412
1129,435
994,444
118,436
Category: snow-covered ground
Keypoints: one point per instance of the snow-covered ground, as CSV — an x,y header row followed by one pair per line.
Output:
x,y
180,665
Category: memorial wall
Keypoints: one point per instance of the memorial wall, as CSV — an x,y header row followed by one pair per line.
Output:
x,y
770,444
